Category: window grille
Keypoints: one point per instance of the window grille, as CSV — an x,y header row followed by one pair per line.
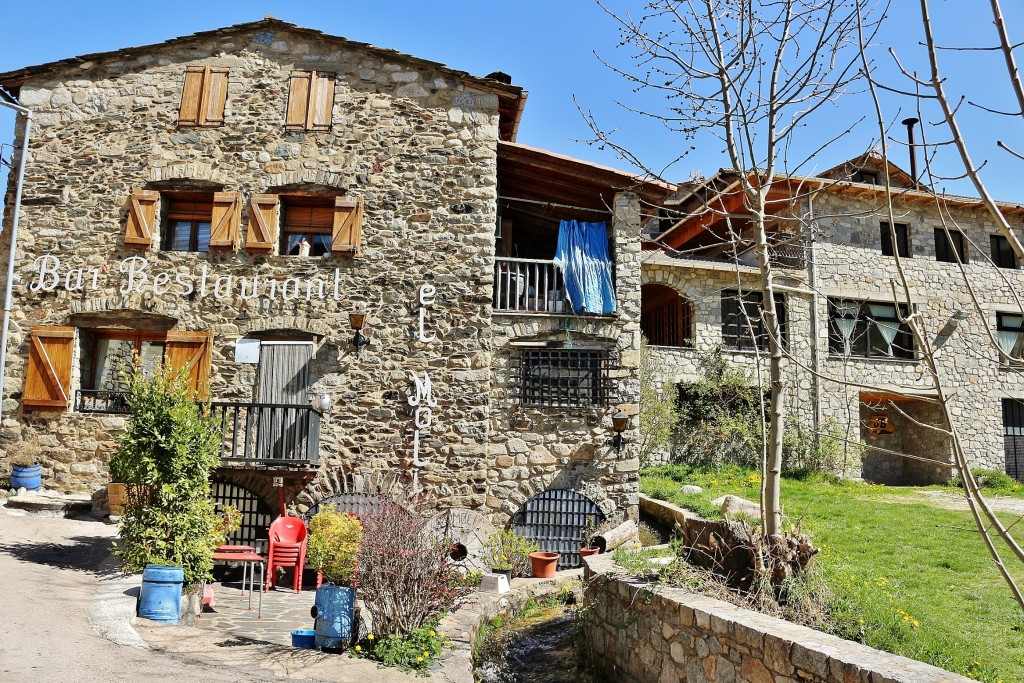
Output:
x,y
556,378
1013,437
742,322
256,514
556,520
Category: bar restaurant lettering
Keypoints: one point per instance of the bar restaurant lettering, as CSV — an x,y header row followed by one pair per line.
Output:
x,y
137,278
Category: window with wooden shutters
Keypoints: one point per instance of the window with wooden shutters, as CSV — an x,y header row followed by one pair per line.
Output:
x,y
189,221
139,228
348,226
226,218
310,100
48,374
191,350
262,229
307,225
203,96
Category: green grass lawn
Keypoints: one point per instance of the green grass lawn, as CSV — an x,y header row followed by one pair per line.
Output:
x,y
908,577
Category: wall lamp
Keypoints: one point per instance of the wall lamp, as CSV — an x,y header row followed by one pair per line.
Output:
x,y
356,319
620,423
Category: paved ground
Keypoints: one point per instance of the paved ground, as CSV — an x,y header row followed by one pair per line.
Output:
x,y
284,610
67,616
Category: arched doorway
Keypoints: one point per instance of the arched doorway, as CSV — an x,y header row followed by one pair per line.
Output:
x,y
556,519
665,317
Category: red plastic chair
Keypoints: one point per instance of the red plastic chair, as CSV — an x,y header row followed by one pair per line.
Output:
x,y
287,549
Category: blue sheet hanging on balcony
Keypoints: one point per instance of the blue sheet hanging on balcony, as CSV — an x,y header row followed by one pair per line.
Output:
x,y
582,254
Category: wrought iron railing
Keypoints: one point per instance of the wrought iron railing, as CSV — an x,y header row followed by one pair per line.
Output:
x,y
102,401
268,433
529,286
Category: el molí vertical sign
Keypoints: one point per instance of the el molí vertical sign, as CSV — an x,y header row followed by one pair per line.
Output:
x,y
421,397
137,277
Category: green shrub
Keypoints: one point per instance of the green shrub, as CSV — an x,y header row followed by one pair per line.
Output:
x,y
333,546
994,480
165,456
506,549
414,652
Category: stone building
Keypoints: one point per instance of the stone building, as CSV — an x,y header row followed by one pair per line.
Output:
x,y
234,201
853,365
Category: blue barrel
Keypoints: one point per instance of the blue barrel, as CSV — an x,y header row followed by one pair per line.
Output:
x,y
27,477
333,614
160,596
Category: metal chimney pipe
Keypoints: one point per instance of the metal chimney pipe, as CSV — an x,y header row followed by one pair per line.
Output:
x,y
909,123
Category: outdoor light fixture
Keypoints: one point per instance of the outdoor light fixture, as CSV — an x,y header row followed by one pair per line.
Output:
x,y
356,319
620,421
323,403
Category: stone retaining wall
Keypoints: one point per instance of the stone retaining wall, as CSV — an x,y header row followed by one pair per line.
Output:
x,y
639,631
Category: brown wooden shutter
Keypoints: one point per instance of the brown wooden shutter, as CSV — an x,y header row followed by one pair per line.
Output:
x,y
191,350
48,374
262,222
310,100
321,101
226,219
348,226
203,96
141,224
299,88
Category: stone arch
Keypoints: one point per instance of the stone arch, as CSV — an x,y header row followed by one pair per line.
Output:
x,y
555,519
328,181
666,317
147,306
336,481
191,170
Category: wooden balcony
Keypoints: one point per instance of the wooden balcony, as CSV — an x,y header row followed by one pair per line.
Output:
x,y
268,433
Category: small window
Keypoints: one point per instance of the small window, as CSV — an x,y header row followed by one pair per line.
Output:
x,y
951,247
868,329
1010,334
902,239
865,176
203,96
742,322
562,378
106,361
310,100
189,217
306,221
1002,252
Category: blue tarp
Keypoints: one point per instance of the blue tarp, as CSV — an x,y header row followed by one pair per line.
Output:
x,y
582,254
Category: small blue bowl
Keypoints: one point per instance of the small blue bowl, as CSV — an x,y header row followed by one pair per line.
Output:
x,y
304,638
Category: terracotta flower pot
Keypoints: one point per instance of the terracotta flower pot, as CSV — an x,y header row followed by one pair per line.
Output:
x,y
587,552
544,564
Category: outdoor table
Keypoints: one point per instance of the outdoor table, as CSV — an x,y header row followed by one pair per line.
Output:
x,y
235,549
247,559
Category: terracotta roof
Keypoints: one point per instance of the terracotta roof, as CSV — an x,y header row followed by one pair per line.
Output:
x,y
511,97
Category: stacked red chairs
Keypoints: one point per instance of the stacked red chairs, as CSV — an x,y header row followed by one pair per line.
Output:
x,y
287,549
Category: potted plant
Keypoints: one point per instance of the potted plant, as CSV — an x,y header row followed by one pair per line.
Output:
x,y
333,549
25,472
508,553
165,456
589,532
544,564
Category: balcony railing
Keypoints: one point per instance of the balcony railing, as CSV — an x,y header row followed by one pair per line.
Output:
x,y
101,401
529,286
268,433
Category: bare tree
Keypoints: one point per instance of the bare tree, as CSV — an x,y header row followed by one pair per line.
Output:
x,y
753,75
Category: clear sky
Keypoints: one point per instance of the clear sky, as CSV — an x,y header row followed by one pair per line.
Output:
x,y
548,48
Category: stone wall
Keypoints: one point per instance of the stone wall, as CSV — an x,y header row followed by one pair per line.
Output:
x,y
640,631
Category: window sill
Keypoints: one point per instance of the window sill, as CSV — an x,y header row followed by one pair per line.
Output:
x,y
878,359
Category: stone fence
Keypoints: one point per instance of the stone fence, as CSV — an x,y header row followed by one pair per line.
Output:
x,y
639,631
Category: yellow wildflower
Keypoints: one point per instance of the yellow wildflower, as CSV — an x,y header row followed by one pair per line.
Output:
x,y
369,636
433,634
358,649
426,654
419,659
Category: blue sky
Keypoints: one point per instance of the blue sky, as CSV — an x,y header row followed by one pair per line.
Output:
x,y
548,48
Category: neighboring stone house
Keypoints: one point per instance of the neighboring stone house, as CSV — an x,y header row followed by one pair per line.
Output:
x,y
233,201
840,321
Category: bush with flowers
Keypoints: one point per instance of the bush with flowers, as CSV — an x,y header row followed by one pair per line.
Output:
x,y
506,550
414,652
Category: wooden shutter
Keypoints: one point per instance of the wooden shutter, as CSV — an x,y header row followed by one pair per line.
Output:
x,y
139,228
48,374
262,222
191,350
226,219
310,100
348,226
203,96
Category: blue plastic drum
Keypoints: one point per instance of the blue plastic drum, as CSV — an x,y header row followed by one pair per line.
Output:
x,y
160,597
333,614
27,477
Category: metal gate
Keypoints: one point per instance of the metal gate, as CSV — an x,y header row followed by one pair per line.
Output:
x,y
360,504
556,519
256,514
1013,437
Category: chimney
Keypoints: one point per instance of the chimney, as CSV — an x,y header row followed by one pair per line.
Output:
x,y
909,123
